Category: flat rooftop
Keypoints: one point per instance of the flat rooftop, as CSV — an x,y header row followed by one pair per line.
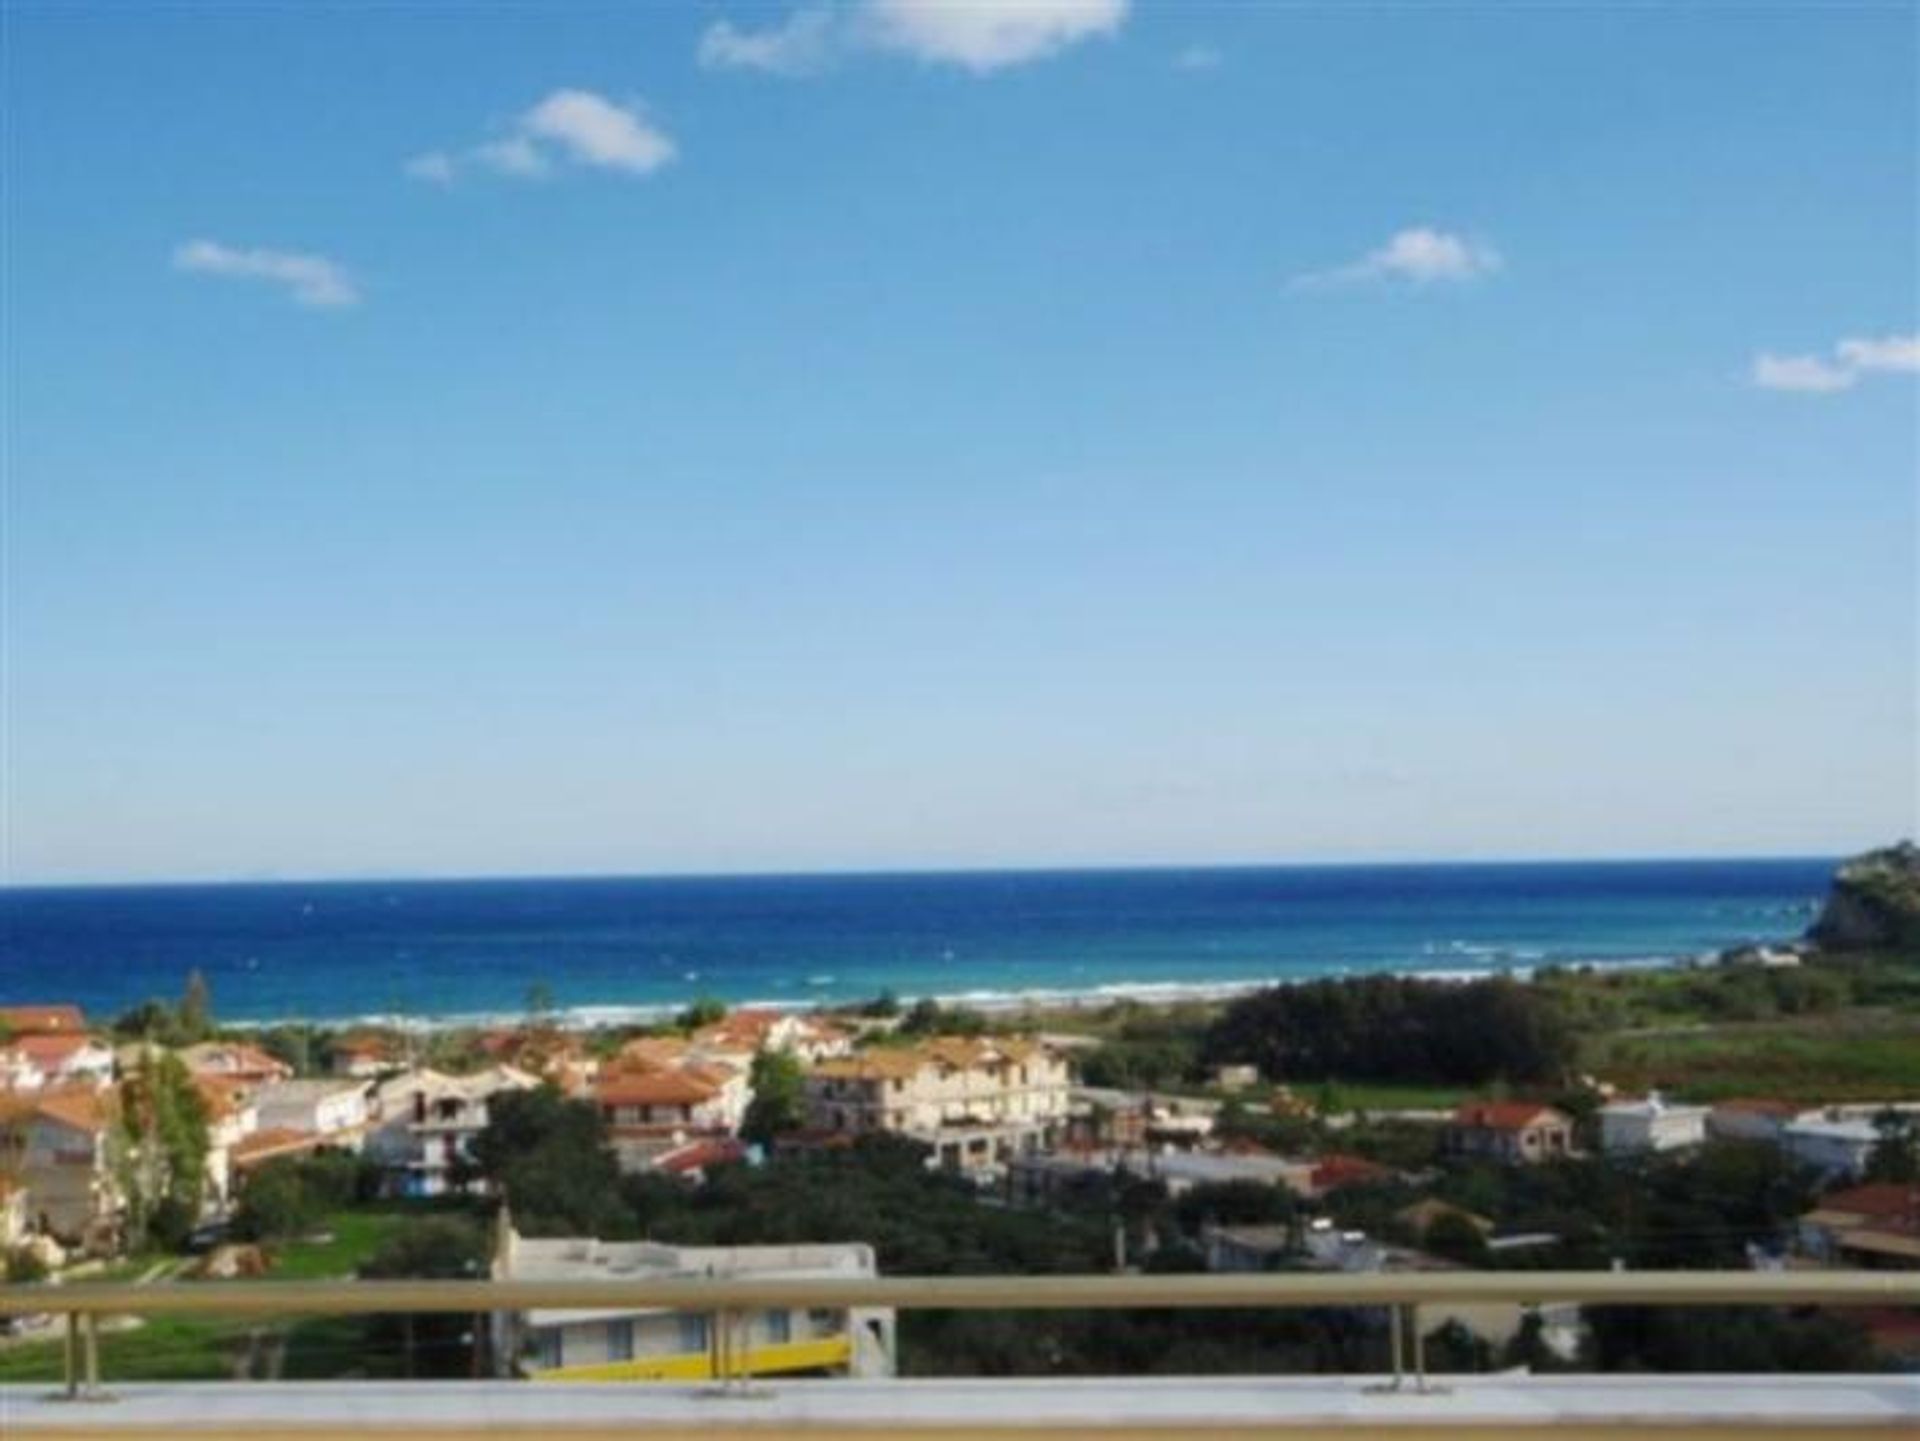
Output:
x,y
1564,1408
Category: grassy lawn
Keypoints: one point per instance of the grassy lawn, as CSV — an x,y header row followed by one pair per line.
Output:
x,y
1857,1057
353,1237
186,1348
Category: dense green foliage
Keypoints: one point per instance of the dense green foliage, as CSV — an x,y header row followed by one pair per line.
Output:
x,y
161,1147
779,1101
288,1197
549,1156
1397,1028
433,1248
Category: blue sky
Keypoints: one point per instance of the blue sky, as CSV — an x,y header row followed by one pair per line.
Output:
x,y
543,438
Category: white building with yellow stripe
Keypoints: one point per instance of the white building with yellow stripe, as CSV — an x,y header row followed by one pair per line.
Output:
x,y
667,1345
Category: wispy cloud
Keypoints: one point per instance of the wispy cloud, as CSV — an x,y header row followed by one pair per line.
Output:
x,y
1812,374
1419,255
1197,57
802,44
976,35
311,280
568,127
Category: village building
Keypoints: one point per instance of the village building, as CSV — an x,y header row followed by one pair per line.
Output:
x,y
66,1058
58,1145
232,1116
1836,1148
42,1021
336,1110
1876,1226
646,1343
364,1057
1756,1120
1510,1132
977,1101
424,1124
650,1111
741,1035
235,1061
1643,1125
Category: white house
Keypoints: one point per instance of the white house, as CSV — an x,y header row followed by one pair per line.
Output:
x,y
1756,1120
1833,1148
645,1343
335,1108
424,1124
67,1060
1650,1123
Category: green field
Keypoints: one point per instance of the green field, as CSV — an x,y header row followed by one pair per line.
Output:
x,y
1852,1057
183,1348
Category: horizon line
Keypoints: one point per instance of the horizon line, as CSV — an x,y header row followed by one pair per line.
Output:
x,y
911,871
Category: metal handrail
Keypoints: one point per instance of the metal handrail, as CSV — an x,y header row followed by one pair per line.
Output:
x,y
1035,1293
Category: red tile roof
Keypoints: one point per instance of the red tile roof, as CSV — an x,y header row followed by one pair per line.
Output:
x,y
1882,1199
42,1020
1505,1115
653,1088
50,1052
1336,1171
698,1155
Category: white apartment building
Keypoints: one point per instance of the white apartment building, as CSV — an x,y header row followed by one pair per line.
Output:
x,y
423,1125
653,1344
977,1101
1648,1124
335,1109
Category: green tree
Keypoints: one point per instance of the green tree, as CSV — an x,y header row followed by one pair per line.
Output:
x,y
779,1097
161,1148
1455,1238
195,1015
551,1158
703,1012
278,1203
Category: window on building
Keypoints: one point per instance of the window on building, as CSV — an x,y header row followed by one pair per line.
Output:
x,y
779,1327
619,1340
693,1332
546,1348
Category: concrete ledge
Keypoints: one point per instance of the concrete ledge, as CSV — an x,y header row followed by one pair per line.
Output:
x,y
1565,1408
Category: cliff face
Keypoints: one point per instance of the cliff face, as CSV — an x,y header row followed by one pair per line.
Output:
x,y
1874,903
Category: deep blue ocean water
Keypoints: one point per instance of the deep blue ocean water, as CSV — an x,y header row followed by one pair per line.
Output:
x,y
467,948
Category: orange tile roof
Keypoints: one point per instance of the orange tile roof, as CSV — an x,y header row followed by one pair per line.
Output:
x,y
81,1107
1880,1199
653,1088
42,1020
49,1052
1505,1115
273,1141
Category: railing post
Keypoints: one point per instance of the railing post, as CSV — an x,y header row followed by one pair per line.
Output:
x,y
1396,1326
72,1356
93,1391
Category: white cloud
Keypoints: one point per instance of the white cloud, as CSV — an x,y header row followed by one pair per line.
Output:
x,y
595,131
435,166
569,126
1852,358
802,45
1420,255
1807,373
1197,57
310,279
1887,352
984,35
976,35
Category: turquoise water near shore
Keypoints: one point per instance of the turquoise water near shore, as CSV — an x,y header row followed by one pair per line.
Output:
x,y
607,948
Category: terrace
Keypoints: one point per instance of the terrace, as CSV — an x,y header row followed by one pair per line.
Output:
x,y
1406,1403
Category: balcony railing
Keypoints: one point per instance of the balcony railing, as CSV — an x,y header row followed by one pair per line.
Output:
x,y
1405,1294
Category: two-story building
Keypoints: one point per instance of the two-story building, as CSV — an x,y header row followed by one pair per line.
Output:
x,y
653,1110
58,1144
978,1101
658,1344
66,1059
424,1124
1637,1126
1510,1132
741,1035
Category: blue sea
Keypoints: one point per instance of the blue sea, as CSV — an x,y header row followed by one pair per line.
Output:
x,y
618,948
